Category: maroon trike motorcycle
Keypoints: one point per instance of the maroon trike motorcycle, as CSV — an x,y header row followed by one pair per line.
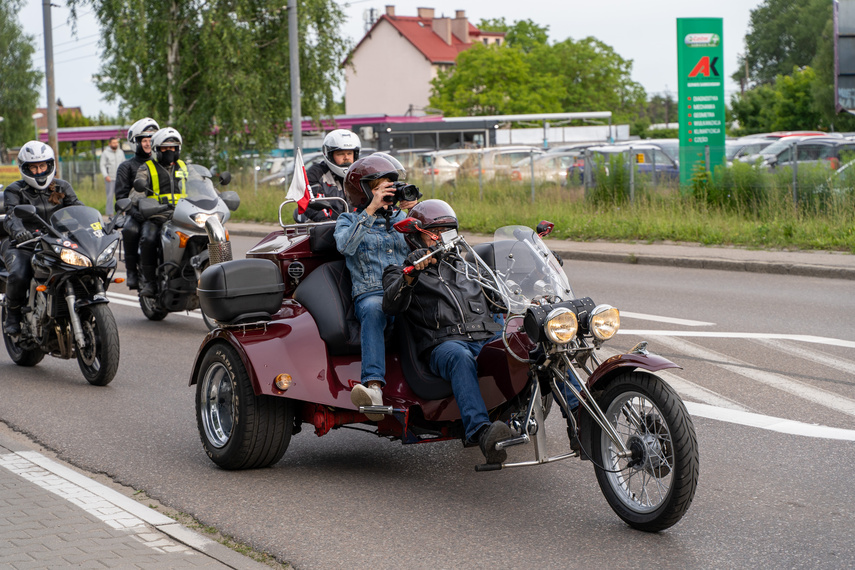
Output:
x,y
287,353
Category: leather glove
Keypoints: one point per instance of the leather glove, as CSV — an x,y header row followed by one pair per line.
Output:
x,y
415,256
23,236
137,215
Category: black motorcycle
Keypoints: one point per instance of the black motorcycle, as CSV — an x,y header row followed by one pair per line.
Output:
x,y
66,314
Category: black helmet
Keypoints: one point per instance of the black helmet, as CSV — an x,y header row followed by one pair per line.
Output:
x,y
359,176
435,216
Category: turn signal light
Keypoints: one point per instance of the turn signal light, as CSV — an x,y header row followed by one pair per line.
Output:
x,y
283,381
41,288
182,239
119,280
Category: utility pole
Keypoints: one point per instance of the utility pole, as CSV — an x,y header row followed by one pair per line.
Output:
x,y
294,53
51,92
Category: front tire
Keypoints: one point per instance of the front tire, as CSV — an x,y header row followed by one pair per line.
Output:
x,y
653,489
20,356
151,310
99,357
239,430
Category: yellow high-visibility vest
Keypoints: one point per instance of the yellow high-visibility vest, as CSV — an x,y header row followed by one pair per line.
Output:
x,y
181,174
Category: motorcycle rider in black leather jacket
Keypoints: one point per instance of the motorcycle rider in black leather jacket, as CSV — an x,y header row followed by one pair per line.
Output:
x,y
139,136
48,194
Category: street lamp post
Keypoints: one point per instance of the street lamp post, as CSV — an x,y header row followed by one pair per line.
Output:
x,y
36,117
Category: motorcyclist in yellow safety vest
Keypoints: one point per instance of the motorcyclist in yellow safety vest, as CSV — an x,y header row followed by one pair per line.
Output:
x,y
164,178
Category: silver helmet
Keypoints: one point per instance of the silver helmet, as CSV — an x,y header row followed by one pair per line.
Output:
x,y
142,128
340,139
166,135
34,152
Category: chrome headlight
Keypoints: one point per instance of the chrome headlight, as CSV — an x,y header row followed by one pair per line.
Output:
x,y
604,322
202,217
108,253
71,257
561,325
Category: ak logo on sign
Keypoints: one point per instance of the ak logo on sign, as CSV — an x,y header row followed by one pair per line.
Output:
x,y
704,67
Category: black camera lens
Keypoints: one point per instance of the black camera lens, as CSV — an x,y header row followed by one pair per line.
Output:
x,y
403,193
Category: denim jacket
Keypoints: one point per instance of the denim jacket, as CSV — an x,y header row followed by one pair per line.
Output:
x,y
368,248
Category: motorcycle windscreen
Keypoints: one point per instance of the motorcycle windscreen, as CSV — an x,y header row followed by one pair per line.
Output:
x,y
527,267
199,188
83,227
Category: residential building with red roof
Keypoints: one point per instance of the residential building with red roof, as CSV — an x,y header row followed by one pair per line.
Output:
x,y
390,69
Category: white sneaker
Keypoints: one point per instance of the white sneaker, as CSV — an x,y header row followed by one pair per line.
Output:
x,y
365,396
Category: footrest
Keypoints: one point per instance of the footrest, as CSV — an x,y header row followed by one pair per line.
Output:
x,y
488,467
513,441
388,410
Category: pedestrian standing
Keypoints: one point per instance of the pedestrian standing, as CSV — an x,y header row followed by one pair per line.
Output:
x,y
111,157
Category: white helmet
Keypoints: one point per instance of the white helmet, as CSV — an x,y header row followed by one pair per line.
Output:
x,y
166,135
32,152
340,139
147,125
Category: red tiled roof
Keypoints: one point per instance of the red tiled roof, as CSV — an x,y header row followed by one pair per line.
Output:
x,y
419,32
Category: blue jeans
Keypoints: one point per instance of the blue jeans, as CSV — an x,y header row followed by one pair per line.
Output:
x,y
454,360
372,323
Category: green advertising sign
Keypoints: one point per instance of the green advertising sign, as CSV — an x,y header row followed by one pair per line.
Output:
x,y
700,68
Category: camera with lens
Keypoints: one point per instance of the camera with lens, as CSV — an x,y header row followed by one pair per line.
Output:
x,y
403,193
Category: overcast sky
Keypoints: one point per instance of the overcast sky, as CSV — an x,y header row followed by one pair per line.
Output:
x,y
645,32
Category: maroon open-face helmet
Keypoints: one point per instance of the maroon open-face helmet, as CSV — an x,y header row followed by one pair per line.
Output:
x,y
434,217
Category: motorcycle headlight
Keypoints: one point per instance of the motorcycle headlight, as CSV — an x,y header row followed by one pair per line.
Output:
x,y
561,325
202,217
108,253
604,322
71,257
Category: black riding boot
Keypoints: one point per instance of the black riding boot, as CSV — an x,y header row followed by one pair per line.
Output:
x,y
132,270
149,276
12,325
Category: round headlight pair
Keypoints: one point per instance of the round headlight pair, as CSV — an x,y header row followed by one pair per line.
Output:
x,y
604,322
561,325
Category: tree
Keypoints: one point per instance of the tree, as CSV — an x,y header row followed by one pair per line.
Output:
x,y
788,105
217,66
523,34
494,80
782,34
19,82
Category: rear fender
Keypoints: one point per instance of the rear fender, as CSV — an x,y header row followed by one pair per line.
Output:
x,y
289,344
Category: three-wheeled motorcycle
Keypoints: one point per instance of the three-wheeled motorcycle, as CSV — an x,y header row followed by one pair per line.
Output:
x,y
287,353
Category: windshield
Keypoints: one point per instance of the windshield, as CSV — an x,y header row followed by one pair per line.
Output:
x,y
80,225
199,185
527,269
779,145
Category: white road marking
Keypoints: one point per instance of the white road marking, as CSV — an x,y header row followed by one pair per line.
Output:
x,y
819,358
769,422
669,320
800,389
775,336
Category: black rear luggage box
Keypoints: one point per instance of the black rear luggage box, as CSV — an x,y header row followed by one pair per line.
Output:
x,y
243,290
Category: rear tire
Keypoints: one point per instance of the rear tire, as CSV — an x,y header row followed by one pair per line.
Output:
x,y
239,430
99,358
20,356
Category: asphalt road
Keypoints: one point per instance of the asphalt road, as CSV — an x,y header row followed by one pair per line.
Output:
x,y
754,347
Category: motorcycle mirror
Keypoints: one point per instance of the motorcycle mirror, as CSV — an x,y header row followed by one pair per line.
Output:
x,y
139,185
544,228
25,211
407,225
225,178
123,205
231,199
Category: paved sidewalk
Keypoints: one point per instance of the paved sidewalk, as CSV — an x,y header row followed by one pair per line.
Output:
x,y
52,516
827,264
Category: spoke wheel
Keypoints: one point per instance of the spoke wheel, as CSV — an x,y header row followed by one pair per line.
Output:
x,y
98,358
239,430
652,489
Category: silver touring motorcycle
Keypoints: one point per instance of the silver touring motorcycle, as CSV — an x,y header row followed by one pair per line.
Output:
x,y
192,237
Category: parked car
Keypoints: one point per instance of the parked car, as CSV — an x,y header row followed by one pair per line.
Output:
x,y
648,158
736,149
283,176
440,167
493,161
671,147
549,167
810,150
411,158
